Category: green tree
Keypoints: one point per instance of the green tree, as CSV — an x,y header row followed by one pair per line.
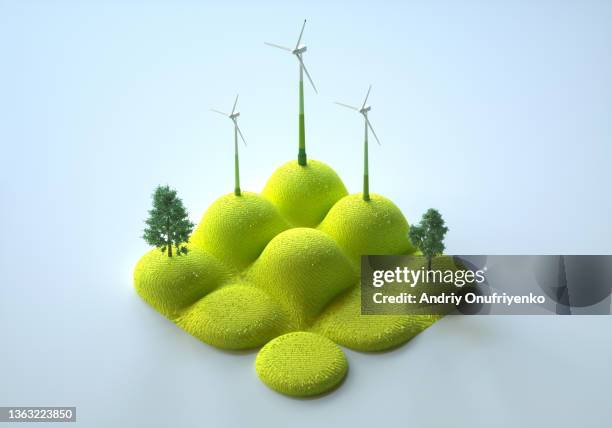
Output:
x,y
428,236
167,224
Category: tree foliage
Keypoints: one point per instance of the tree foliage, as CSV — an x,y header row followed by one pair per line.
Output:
x,y
168,224
428,235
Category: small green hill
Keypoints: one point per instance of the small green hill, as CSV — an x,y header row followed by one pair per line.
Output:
x,y
369,227
304,269
235,229
170,284
304,194
235,317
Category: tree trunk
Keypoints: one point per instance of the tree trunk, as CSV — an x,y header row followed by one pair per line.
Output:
x,y
169,239
429,262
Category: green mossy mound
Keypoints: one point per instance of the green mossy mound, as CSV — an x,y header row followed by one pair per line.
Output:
x,y
304,194
235,229
235,317
301,364
171,284
304,270
369,227
343,323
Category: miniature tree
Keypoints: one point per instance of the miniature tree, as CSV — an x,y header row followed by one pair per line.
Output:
x,y
428,236
167,224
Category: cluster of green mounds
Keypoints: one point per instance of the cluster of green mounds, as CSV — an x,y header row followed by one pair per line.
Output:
x,y
281,270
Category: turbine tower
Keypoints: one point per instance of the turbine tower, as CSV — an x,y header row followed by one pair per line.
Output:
x,y
234,117
298,51
364,112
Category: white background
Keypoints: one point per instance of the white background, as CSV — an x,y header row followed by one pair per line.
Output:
x,y
496,113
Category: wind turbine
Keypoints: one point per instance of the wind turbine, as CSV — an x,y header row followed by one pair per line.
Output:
x,y
364,110
234,117
298,51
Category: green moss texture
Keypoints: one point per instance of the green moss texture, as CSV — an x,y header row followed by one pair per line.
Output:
x,y
281,270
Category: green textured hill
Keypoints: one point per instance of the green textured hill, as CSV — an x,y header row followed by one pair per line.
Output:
x,y
304,194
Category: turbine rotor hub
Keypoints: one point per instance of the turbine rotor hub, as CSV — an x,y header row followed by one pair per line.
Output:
x,y
299,50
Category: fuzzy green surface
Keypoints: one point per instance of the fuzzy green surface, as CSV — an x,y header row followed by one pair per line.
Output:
x,y
235,317
235,229
343,323
256,275
304,194
170,284
301,364
369,227
303,269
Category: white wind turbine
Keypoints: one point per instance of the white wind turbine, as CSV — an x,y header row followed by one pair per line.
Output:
x,y
298,51
364,112
234,117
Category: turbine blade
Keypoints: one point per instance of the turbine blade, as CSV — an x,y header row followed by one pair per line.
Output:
x,y
235,102
278,46
300,38
240,133
347,106
307,73
366,98
372,129
220,112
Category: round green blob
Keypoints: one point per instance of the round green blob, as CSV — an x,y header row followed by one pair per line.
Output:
x,y
235,317
235,229
369,227
170,284
304,194
343,323
304,270
301,364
